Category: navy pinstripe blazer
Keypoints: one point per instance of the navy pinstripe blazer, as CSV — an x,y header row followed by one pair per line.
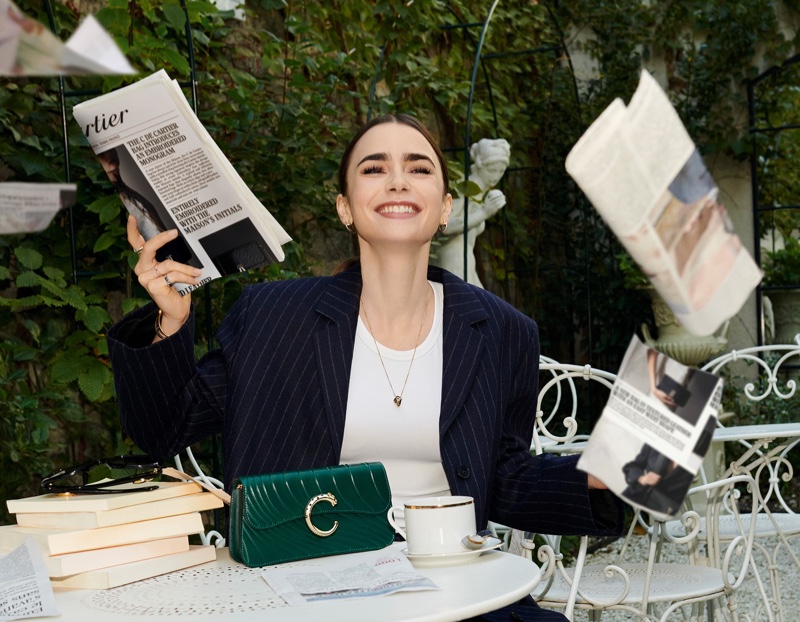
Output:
x,y
276,389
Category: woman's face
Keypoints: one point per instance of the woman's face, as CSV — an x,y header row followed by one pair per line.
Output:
x,y
395,187
111,169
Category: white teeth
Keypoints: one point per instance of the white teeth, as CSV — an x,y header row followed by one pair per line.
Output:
x,y
397,209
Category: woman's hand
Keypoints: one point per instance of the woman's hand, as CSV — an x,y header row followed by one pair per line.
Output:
x,y
159,277
663,397
595,484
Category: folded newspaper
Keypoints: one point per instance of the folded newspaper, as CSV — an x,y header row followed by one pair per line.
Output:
x,y
654,431
356,575
169,173
641,171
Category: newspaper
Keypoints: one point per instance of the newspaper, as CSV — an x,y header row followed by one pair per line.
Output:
x,y
169,173
654,431
28,48
25,590
356,575
30,207
641,171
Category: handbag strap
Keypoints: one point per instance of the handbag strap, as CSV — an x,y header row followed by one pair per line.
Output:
x,y
217,492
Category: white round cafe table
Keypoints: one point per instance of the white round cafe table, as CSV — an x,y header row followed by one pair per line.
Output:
x,y
224,591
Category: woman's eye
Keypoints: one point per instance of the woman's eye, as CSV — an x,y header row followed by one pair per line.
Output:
x,y
422,170
372,170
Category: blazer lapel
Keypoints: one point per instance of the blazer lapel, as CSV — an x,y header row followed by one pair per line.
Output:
x,y
463,344
335,341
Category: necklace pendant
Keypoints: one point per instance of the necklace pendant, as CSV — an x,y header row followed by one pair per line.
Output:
x,y
397,400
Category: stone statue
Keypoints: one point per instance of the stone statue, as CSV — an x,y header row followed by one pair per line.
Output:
x,y
490,158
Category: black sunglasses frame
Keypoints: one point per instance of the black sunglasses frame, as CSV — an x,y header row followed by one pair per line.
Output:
x,y
49,484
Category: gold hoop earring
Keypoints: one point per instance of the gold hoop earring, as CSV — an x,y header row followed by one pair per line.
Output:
x,y
350,227
443,227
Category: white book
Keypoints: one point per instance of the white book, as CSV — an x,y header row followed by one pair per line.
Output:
x,y
136,571
184,504
84,561
99,503
59,541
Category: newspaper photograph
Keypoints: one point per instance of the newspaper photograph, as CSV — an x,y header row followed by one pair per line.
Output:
x,y
654,431
642,172
170,174
355,575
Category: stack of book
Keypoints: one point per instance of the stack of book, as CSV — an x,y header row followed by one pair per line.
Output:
x,y
103,541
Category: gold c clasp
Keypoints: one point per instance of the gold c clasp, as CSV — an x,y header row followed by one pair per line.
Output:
x,y
326,496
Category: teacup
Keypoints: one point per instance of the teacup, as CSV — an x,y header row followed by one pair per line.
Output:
x,y
435,525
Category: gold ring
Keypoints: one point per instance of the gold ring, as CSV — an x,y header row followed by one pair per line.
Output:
x,y
139,250
155,267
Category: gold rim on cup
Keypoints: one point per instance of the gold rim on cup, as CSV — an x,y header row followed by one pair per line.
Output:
x,y
437,507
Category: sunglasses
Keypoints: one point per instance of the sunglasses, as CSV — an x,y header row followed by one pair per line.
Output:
x,y
76,479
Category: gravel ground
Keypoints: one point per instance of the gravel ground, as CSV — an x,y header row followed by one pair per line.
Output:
x,y
747,597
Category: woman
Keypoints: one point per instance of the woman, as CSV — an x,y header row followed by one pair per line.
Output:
x,y
656,482
147,218
389,360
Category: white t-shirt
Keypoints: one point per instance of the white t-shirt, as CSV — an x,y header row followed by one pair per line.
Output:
x,y
405,438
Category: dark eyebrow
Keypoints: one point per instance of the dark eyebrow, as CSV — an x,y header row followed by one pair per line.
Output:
x,y
413,157
381,157
407,157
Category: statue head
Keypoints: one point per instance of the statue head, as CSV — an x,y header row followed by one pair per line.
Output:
x,y
490,158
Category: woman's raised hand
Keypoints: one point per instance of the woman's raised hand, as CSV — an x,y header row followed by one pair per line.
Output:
x,y
159,277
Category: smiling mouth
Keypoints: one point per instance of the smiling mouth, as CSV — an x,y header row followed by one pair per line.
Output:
x,y
397,209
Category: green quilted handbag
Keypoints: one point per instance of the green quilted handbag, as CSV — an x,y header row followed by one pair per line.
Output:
x,y
282,517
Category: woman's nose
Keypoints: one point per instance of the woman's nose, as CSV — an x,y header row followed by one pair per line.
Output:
x,y
397,180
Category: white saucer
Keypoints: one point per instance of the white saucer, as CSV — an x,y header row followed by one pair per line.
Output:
x,y
450,559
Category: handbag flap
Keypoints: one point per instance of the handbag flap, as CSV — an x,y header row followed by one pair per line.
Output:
x,y
274,499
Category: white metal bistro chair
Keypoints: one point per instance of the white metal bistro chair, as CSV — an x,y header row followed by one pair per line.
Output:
x,y
212,537
636,586
653,590
776,523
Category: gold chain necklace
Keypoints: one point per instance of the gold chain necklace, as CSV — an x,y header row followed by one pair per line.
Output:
x,y
398,399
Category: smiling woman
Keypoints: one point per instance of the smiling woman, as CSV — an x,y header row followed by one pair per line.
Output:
x,y
389,361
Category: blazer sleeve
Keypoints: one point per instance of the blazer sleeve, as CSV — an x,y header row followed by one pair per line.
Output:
x,y
546,493
167,400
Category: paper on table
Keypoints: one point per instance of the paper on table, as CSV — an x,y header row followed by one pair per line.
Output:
x,y
25,590
357,575
29,207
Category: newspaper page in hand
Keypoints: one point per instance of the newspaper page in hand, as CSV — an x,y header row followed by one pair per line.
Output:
x,y
641,171
654,431
169,173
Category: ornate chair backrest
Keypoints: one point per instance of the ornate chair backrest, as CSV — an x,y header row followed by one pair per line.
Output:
x,y
196,472
763,381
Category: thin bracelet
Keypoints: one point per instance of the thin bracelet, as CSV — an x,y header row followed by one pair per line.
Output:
x,y
159,331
